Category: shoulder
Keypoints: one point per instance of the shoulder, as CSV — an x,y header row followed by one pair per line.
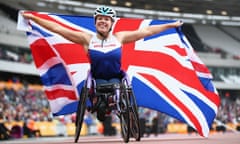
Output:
x,y
88,37
92,37
128,36
119,36
116,38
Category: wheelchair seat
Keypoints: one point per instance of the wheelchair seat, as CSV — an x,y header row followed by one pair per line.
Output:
x,y
107,88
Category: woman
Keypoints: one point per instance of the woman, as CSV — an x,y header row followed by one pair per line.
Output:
x,y
103,48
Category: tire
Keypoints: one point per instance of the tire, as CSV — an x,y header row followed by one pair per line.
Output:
x,y
134,118
124,116
80,112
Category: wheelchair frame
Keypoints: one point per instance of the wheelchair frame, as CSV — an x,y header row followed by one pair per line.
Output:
x,y
125,106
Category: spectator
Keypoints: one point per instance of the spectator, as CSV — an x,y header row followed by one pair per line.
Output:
x,y
88,121
108,129
4,132
29,130
155,127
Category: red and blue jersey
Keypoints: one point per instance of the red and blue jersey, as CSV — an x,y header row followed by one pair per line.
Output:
x,y
105,57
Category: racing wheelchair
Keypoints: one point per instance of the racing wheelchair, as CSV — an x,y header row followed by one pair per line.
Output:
x,y
116,98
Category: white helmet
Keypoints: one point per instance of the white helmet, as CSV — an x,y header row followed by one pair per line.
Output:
x,y
105,11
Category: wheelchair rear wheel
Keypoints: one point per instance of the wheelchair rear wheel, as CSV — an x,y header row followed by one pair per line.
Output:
x,y
124,116
80,112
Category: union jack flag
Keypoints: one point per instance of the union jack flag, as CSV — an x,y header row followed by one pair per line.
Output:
x,y
165,72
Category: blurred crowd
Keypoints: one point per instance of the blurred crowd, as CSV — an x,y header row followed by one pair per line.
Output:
x,y
229,110
26,104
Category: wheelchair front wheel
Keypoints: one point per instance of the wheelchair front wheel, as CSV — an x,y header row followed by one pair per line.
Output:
x,y
80,112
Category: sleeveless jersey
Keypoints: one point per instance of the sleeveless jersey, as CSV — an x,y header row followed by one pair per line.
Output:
x,y
105,57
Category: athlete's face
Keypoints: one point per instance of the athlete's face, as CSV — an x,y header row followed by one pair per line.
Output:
x,y
103,24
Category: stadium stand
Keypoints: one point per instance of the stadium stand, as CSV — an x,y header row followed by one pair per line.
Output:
x,y
22,97
194,39
234,32
8,25
217,39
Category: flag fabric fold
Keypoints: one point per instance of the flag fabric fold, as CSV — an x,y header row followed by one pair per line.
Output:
x,y
165,72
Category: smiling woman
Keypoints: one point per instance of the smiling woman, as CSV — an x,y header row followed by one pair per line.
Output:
x,y
106,59
103,48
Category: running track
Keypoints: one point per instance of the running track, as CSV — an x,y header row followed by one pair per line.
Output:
x,y
216,138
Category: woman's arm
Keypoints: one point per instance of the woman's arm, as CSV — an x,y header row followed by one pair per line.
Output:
x,y
74,36
131,36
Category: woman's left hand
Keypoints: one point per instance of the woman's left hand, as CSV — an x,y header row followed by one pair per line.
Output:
x,y
178,23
